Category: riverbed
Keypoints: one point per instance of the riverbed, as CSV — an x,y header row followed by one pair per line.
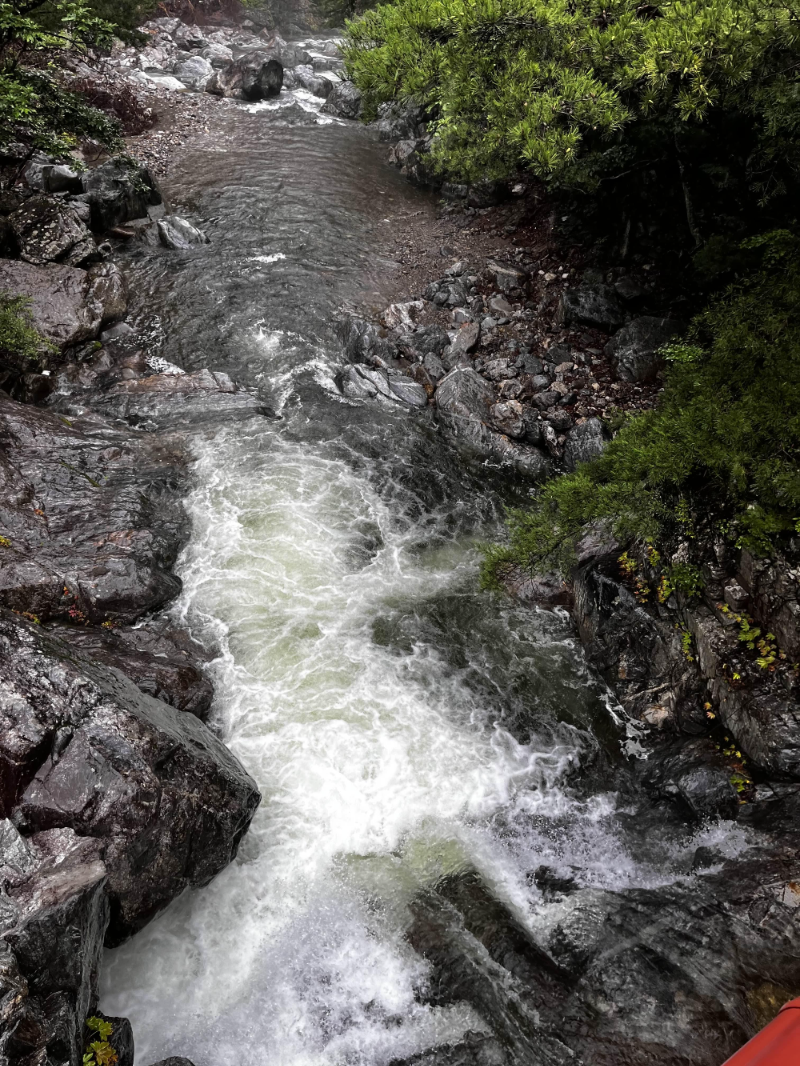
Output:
x,y
401,724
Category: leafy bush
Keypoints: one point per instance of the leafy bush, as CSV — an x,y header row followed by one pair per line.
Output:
x,y
35,108
704,96
722,445
20,343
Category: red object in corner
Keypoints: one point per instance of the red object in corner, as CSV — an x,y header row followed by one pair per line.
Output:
x,y
777,1045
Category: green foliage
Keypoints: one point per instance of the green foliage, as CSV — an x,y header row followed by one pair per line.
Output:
x,y
578,91
20,343
725,437
100,1052
35,108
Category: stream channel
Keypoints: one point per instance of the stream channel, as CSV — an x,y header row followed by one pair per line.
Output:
x,y
400,723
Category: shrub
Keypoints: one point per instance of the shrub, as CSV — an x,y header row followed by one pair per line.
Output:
x,y
722,446
20,343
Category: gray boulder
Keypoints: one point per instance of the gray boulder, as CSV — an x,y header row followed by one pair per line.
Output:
x,y
47,230
189,38
584,442
345,101
591,305
506,276
218,55
635,348
365,383
118,191
306,78
253,76
195,72
84,750
176,233
67,305
54,912
399,121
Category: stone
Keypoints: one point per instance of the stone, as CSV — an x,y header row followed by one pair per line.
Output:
x,y
253,76
591,305
635,348
57,177
52,926
176,233
537,590
307,78
162,662
499,305
463,394
195,72
402,316
585,442
361,382
89,753
344,101
189,38
47,230
67,305
175,1060
499,370
218,55
399,121
695,775
735,596
466,340
509,418
118,191
507,277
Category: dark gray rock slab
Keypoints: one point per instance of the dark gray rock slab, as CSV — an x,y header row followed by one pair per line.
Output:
x,y
85,750
344,101
91,516
49,230
635,348
584,443
118,191
591,305
67,305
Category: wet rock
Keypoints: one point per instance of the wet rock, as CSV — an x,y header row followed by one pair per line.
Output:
x,y
585,442
474,1049
537,590
591,305
121,1038
88,752
253,76
67,305
635,348
53,918
93,533
59,178
344,101
171,400
696,776
506,276
317,84
465,395
176,233
399,121
164,663
118,191
175,1060
361,382
194,72
47,230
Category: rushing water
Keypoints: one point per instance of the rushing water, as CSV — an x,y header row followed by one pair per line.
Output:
x,y
400,723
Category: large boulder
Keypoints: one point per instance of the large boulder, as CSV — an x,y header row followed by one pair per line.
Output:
x,y
345,101
47,230
83,749
359,382
67,305
91,519
195,72
635,349
591,305
253,76
118,191
53,918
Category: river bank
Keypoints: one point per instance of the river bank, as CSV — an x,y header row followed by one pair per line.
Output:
x,y
459,857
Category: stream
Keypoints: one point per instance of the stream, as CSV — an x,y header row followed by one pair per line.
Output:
x,y
401,724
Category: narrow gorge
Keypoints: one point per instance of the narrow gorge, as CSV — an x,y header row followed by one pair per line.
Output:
x,y
281,781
